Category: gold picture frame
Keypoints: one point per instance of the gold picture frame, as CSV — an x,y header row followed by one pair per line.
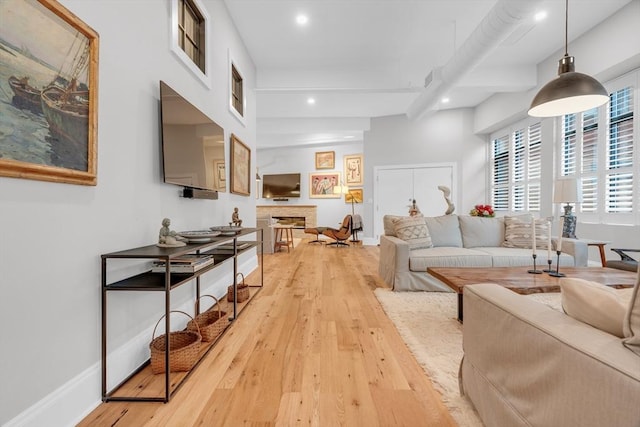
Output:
x,y
54,104
355,195
240,167
321,185
325,160
353,169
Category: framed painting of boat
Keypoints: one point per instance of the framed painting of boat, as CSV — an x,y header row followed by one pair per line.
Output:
x,y
240,167
49,79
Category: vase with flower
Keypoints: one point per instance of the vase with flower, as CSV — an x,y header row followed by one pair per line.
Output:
x,y
482,210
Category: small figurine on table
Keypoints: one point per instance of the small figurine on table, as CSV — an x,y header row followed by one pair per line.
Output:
x,y
235,218
167,237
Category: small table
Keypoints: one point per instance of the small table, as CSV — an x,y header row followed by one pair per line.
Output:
x,y
283,240
600,244
519,281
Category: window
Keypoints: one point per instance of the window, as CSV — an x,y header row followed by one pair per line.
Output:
x,y
516,168
600,147
189,34
191,38
237,98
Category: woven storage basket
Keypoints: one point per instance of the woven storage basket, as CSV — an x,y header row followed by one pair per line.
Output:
x,y
242,290
183,352
210,323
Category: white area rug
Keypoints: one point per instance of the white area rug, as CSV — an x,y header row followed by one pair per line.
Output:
x,y
427,322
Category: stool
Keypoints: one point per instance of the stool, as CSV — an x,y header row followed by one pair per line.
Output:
x,y
317,231
281,240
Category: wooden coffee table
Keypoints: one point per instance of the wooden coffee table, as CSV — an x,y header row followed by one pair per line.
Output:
x,y
518,280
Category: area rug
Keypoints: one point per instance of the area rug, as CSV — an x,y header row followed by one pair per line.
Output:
x,y
427,322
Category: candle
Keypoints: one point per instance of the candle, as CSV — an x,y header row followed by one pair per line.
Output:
x,y
559,248
533,235
549,240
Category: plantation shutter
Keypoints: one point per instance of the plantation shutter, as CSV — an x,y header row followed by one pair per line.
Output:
x,y
500,173
534,167
569,137
589,161
619,175
519,159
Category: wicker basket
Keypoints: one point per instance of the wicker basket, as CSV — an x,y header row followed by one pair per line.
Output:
x,y
242,290
183,353
210,323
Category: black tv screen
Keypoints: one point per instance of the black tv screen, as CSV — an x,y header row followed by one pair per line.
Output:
x,y
281,186
192,144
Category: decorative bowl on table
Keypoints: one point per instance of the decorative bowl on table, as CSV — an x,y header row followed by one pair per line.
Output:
x,y
226,230
197,236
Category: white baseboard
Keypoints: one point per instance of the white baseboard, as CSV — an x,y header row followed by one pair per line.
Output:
x,y
70,403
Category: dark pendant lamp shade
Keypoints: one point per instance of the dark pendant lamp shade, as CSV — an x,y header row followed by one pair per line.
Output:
x,y
570,92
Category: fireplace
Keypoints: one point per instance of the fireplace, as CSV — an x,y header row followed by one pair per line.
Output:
x,y
296,221
289,212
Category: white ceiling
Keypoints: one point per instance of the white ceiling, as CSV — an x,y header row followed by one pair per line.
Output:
x,y
366,58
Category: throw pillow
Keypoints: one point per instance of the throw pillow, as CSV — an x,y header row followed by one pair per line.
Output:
x,y
445,231
414,231
631,323
387,221
479,232
519,234
593,303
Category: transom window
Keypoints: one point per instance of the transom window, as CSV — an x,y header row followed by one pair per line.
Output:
x,y
191,34
237,97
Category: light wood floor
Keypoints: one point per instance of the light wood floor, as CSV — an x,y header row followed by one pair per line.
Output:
x,y
314,348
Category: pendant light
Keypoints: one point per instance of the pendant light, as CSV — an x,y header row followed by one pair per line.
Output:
x,y
570,92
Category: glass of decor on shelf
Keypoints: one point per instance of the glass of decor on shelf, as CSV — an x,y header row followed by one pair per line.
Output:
x,y
482,210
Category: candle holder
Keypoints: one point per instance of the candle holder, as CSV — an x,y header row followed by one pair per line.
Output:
x,y
535,270
548,269
557,272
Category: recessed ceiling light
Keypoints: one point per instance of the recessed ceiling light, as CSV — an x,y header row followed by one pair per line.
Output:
x,y
540,15
445,100
302,19
311,101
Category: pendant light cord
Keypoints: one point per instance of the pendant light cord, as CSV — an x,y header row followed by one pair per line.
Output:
x,y
566,28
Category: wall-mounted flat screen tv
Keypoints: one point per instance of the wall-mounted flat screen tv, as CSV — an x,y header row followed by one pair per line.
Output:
x,y
281,186
192,144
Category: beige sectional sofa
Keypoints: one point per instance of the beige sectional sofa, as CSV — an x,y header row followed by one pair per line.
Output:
x,y
526,364
459,241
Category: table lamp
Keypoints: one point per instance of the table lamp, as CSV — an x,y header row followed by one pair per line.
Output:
x,y
567,191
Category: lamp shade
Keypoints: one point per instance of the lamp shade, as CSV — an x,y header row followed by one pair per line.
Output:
x,y
567,191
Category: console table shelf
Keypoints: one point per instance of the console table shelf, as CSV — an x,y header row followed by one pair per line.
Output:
x,y
142,385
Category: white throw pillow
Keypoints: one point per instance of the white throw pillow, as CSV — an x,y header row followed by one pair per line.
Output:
x,y
445,231
414,231
387,221
519,234
479,232
593,303
631,323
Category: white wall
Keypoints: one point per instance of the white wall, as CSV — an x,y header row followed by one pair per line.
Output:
x,y
445,136
53,234
302,159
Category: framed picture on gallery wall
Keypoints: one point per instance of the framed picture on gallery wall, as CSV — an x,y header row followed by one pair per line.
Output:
x,y
321,185
325,159
220,175
50,60
240,167
353,172
354,194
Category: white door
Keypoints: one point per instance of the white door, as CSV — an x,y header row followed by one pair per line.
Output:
x,y
396,186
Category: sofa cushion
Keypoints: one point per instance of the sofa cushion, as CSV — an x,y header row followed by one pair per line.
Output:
x,y
631,322
444,230
421,259
593,303
516,257
478,231
413,230
519,234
